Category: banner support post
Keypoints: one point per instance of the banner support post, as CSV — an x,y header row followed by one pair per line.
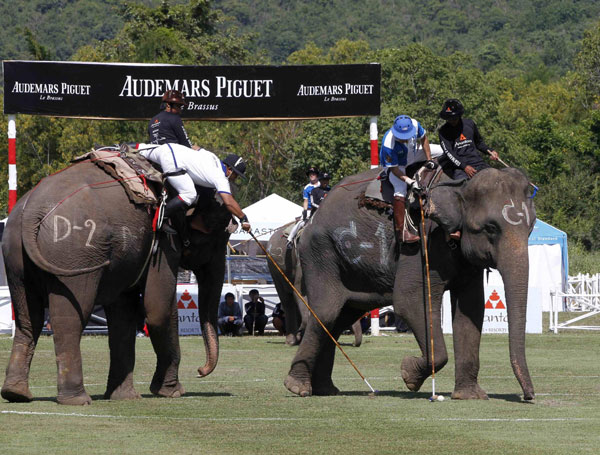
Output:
x,y
374,164
12,181
12,162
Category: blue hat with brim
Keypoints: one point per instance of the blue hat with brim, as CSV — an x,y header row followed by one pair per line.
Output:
x,y
403,127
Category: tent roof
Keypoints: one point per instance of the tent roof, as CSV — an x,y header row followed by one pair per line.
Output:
x,y
273,209
543,233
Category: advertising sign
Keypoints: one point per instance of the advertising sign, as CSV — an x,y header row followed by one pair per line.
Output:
x,y
134,91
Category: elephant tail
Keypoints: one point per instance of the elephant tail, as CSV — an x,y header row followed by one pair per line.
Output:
x,y
30,229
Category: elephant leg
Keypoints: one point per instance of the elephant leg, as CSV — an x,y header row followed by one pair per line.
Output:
x,y
468,309
415,312
29,319
322,383
314,341
70,307
293,319
357,331
120,315
163,326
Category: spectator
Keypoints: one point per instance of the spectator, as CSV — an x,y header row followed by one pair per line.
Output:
x,y
279,319
255,319
230,316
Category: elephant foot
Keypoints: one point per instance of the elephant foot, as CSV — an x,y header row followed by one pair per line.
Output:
x,y
174,391
469,393
16,393
304,389
412,373
291,339
122,393
77,400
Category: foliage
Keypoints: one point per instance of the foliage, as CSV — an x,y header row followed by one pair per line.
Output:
x,y
509,34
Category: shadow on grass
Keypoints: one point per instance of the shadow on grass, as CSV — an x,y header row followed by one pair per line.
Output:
x,y
191,394
509,397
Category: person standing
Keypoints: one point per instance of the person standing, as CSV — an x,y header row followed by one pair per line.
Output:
x,y
230,316
461,141
166,127
255,319
403,144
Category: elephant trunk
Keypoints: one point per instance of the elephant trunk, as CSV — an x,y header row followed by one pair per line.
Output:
x,y
211,345
208,323
513,265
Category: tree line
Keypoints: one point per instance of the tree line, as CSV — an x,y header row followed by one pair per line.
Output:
x,y
548,128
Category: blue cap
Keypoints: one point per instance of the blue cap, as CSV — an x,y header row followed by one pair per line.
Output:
x,y
403,127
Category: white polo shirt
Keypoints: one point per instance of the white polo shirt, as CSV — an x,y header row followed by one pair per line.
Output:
x,y
203,167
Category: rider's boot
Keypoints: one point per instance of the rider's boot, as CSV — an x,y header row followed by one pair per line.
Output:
x,y
175,210
402,235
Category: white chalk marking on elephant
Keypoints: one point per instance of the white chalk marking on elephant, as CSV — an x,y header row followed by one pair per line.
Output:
x,y
92,224
58,218
127,235
68,229
345,245
383,244
507,207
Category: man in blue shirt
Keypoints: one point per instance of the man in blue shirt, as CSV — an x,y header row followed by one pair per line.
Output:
x,y
313,177
403,144
230,316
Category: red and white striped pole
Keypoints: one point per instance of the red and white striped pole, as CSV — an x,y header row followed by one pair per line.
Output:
x,y
12,162
12,180
374,163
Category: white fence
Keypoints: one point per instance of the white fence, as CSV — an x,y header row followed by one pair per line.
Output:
x,y
582,296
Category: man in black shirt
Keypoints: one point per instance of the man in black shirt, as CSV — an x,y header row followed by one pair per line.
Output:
x,y
255,319
460,140
166,127
319,193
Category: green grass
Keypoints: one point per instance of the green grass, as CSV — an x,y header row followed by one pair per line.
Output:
x,y
243,406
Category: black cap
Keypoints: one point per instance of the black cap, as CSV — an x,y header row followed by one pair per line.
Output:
x,y
324,176
236,163
452,108
312,170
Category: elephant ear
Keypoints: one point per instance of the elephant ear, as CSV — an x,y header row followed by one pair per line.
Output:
x,y
446,206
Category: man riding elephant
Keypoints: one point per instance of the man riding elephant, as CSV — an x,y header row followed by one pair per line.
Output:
x,y
399,149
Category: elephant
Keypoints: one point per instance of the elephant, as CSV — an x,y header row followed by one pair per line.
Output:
x,y
296,313
352,264
76,240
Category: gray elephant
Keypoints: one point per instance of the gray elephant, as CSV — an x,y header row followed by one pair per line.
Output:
x,y
296,313
74,241
355,248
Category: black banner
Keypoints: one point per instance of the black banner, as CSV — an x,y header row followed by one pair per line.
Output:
x,y
133,91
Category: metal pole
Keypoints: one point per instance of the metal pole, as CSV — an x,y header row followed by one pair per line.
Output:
x,y
12,162
374,163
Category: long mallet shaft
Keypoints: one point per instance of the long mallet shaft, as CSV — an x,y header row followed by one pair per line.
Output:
x,y
424,235
311,311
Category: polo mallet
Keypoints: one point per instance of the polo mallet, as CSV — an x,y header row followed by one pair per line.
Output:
x,y
312,312
433,397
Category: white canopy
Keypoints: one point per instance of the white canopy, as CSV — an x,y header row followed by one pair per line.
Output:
x,y
267,215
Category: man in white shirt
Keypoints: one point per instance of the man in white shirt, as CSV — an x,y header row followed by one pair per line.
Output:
x,y
202,168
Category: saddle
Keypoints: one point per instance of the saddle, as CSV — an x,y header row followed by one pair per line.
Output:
x,y
130,169
380,192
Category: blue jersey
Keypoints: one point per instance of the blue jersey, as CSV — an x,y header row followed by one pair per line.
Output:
x,y
306,192
396,153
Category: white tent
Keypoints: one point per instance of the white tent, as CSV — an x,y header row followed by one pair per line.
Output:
x,y
267,215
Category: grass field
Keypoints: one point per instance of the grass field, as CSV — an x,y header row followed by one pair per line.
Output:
x,y
243,407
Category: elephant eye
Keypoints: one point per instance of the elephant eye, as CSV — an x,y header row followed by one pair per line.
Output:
x,y
491,229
